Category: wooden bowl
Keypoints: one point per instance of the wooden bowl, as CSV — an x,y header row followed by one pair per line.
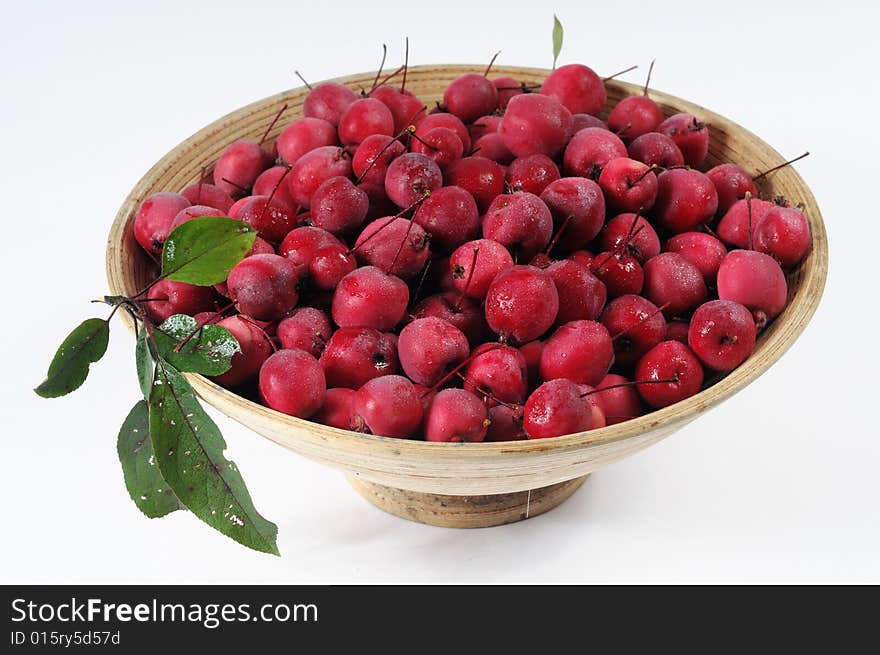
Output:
x,y
474,485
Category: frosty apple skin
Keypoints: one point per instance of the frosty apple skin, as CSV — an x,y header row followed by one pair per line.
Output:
x,y
522,303
292,382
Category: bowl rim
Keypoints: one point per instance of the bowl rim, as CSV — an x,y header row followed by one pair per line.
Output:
x,y
779,337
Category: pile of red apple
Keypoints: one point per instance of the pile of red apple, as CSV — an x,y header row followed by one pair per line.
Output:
x,y
503,266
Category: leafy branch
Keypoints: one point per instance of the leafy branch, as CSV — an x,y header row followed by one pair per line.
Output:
x,y
171,451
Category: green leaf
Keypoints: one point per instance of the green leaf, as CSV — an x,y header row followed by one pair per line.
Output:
x,y
209,351
203,250
70,366
558,33
189,451
142,477
144,362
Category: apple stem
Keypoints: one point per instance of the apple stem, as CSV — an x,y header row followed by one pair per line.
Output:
x,y
648,81
619,73
782,165
272,124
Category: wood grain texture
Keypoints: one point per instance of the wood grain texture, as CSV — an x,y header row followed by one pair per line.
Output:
x,y
484,511
488,468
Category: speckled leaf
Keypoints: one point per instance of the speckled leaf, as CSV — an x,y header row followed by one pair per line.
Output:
x,y
144,362
145,485
203,250
189,451
558,33
70,366
209,351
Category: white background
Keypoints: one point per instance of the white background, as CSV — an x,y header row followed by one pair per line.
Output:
x,y
778,484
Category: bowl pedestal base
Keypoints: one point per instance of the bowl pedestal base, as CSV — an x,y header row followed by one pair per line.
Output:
x,y
465,511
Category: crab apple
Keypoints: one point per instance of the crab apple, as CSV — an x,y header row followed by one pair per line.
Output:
x,y
313,169
637,233
440,144
732,183
365,117
327,101
456,415
264,286
429,347
701,249
492,146
655,149
445,120
241,163
304,135
579,204
475,264
535,123
406,108
456,310
395,245
271,182
583,121
590,150
621,273
618,403
292,382
372,157
338,206
669,373
582,257
581,294
505,424
672,281
194,211
470,96
690,135
152,224
532,173
634,116
167,297
208,194
411,177
329,265
496,373
479,176
580,351
733,228
255,349
370,297
677,330
722,334
637,325
355,355
755,280
450,216
685,199
306,328
260,247
484,125
522,303
531,352
271,218
629,185
507,87
338,409
577,87
521,221
784,234
559,407
389,406
301,244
